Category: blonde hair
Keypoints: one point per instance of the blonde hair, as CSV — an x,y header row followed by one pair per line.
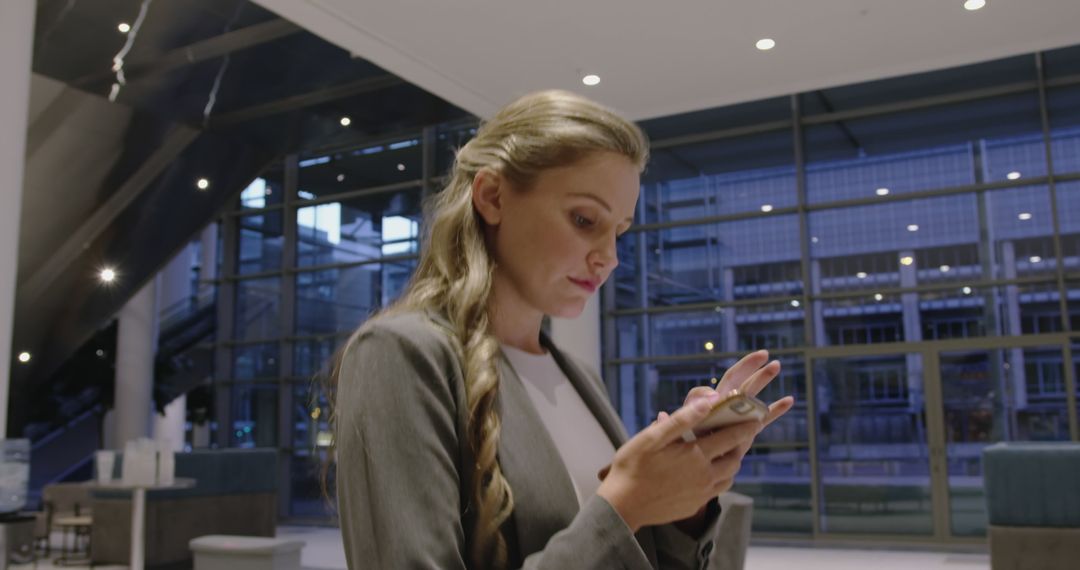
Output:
x,y
539,131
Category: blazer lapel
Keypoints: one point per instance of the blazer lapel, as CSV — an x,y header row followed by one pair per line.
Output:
x,y
544,498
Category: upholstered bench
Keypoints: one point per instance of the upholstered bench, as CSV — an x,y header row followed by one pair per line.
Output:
x,y
224,552
1033,502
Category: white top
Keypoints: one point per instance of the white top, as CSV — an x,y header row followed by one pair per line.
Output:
x,y
581,441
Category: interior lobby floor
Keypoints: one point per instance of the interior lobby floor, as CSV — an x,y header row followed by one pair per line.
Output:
x,y
323,551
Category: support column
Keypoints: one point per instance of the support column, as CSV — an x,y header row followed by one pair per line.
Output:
x,y
16,51
136,342
912,324
174,299
730,338
208,259
1012,328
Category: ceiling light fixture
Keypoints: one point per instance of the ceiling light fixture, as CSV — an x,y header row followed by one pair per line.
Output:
x,y
765,44
907,260
341,178
24,357
709,345
107,275
972,5
1034,259
345,121
795,303
1024,216
591,80
861,275
878,296
766,207
124,27
944,268
401,167
966,290
202,184
1014,175
913,227
882,191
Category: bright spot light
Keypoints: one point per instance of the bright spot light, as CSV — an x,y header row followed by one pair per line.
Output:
x,y
907,260
966,290
913,227
591,80
1013,175
124,27
882,191
944,268
1024,216
878,296
107,275
765,44
401,167
766,207
972,5
709,345
861,275
345,121
24,357
202,184
1034,259
794,302
341,178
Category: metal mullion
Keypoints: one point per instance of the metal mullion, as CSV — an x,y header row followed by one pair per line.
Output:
x,y
1044,118
971,343
361,192
816,507
934,408
244,212
288,325
804,222
351,264
226,324
721,134
701,356
358,143
251,276
1070,389
932,287
920,103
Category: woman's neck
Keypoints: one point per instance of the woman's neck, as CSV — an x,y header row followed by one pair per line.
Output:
x,y
513,322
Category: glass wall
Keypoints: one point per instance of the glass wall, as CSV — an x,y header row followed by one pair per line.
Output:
x,y
908,248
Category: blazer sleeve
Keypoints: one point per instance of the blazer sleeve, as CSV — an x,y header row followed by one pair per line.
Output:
x,y
399,481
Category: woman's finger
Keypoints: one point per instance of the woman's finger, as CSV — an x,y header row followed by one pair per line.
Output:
x,y
684,419
741,370
727,439
761,378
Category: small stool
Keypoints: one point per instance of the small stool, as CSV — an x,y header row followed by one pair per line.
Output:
x,y
225,552
80,526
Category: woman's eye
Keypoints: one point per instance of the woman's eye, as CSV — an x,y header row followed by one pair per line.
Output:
x,y
582,221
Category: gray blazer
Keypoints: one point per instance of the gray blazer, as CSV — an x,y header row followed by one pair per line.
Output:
x,y
403,490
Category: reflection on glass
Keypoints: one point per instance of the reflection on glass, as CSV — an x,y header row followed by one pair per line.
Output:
x,y
265,191
258,308
360,229
778,479
1064,112
872,447
253,417
339,299
991,396
314,356
255,361
260,244
390,162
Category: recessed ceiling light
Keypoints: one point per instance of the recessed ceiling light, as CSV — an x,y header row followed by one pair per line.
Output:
x,y
813,239
341,178
709,345
972,5
944,268
1034,259
107,275
861,275
1013,175
882,191
907,260
765,44
202,184
345,121
401,167
794,302
766,207
24,357
1024,216
713,380
591,80
878,296
124,27
966,290
913,227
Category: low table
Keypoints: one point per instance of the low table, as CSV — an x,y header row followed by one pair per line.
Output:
x,y
225,552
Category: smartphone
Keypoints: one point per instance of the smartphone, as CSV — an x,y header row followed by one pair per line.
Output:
x,y
735,407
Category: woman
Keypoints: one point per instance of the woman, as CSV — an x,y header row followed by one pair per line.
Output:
x,y
464,438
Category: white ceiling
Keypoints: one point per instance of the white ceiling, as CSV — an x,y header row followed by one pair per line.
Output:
x,y
659,57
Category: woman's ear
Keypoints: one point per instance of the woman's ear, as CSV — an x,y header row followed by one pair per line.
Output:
x,y
487,189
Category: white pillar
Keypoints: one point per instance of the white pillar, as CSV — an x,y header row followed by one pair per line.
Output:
x,y
208,258
16,51
136,343
175,281
1017,371
580,337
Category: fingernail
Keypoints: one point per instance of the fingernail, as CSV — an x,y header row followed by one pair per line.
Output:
x,y
704,404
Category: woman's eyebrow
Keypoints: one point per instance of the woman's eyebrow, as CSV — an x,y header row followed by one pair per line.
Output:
x,y
600,201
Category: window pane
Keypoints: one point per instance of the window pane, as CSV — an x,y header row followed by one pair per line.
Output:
x,y
872,452
314,356
307,500
390,162
358,229
1063,106
261,243
254,415
722,329
718,118
954,145
338,300
450,138
991,396
727,176
268,189
256,361
258,308
1062,62
778,479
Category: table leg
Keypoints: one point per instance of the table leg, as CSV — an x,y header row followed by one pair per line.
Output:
x,y
138,526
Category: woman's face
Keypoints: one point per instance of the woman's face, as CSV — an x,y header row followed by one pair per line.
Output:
x,y
554,242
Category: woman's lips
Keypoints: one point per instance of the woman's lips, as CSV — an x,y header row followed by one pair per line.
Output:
x,y
585,284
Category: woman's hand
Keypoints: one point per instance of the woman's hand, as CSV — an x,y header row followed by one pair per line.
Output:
x,y
658,478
